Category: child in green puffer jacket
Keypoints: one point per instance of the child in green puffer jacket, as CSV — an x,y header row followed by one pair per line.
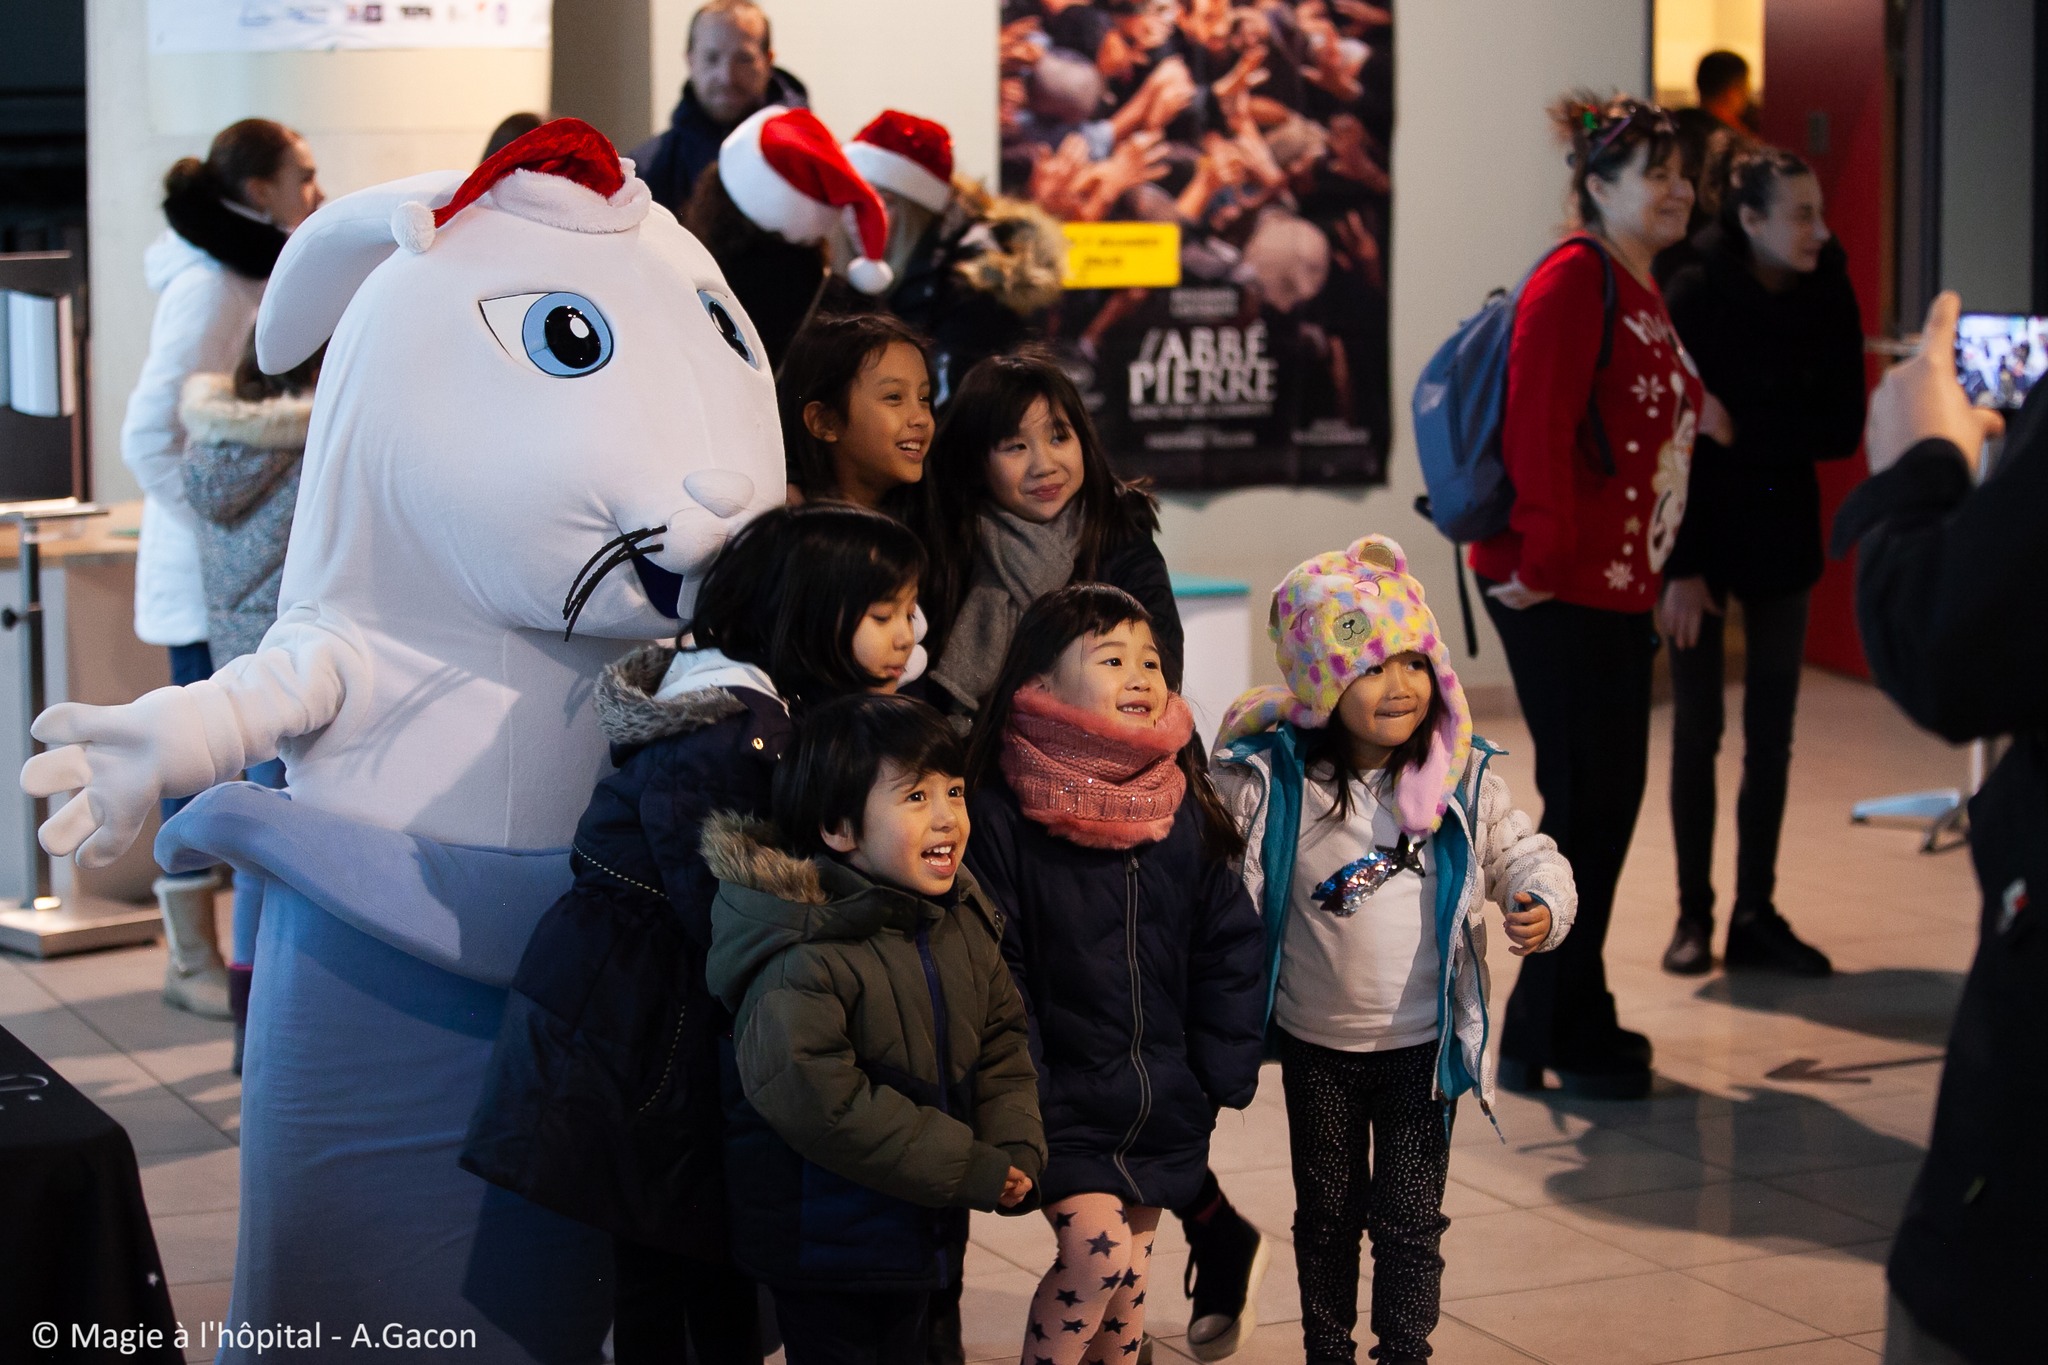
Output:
x,y
880,1082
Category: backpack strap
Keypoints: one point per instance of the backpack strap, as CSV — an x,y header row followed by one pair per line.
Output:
x,y
1464,592
1609,307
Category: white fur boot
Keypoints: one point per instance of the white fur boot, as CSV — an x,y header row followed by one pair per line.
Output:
x,y
195,978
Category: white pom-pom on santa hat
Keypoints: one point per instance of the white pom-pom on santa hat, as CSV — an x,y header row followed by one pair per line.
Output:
x,y
785,172
412,226
912,156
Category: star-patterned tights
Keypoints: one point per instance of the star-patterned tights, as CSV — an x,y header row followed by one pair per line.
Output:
x,y
1090,1307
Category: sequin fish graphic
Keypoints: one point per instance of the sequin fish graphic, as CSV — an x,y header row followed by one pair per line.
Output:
x,y
1345,890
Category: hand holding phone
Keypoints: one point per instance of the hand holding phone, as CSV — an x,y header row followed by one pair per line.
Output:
x,y
1921,399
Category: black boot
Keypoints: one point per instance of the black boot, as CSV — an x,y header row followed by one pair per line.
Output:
x,y
1616,1066
1692,949
1765,942
1226,1260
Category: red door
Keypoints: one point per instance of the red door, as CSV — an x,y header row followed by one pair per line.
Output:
x,y
1826,97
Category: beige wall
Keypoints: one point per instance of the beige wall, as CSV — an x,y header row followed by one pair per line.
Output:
x,y
369,116
1479,190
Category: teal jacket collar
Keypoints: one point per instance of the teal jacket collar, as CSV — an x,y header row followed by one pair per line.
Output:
x,y
1451,846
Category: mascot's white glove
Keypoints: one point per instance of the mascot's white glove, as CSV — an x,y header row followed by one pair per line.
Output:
x,y
178,741
120,760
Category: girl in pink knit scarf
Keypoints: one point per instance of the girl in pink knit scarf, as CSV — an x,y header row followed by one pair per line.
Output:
x,y
1099,837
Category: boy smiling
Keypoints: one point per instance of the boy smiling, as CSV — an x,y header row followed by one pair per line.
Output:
x,y
882,1081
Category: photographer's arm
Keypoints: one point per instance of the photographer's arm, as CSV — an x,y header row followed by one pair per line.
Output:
x,y
1949,577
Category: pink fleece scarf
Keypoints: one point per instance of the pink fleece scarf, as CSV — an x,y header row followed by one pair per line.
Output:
x,y
1093,780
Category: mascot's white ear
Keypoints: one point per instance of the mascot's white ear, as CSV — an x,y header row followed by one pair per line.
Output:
x,y
327,258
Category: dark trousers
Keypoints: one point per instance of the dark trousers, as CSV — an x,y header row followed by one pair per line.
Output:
x,y
1774,632
1371,1147
942,1310
667,1305
1583,679
851,1329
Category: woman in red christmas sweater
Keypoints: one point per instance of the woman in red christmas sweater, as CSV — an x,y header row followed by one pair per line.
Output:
x,y
1599,457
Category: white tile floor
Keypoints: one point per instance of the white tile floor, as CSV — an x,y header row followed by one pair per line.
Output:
x,y
1732,1217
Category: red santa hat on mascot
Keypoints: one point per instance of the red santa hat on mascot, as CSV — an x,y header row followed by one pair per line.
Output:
x,y
564,173
910,155
786,173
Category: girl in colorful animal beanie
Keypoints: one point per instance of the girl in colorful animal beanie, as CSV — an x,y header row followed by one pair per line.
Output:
x,y
1375,830
1099,836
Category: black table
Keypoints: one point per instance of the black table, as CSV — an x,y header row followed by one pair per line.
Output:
x,y
75,1241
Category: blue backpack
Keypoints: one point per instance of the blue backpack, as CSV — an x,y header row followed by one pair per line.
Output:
x,y
1458,408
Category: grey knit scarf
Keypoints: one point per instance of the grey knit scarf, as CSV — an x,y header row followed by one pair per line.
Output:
x,y
1019,562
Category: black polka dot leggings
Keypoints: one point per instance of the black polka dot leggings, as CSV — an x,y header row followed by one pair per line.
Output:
x,y
1340,1106
1090,1307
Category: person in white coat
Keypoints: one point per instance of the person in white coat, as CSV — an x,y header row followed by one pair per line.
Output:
x,y
228,218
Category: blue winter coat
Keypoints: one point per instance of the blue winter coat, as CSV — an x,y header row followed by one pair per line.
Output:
x,y
1142,970
603,1099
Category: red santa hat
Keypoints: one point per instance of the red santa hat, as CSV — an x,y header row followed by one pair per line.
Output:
x,y
785,172
912,156
564,173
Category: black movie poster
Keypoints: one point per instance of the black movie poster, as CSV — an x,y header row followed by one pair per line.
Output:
x,y
1222,169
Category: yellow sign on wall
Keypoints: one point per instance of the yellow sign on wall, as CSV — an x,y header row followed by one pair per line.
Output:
x,y
1123,255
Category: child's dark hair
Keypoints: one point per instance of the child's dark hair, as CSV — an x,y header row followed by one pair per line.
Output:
x,y
840,750
252,385
989,408
1052,623
1603,136
823,362
1330,744
788,591
1751,181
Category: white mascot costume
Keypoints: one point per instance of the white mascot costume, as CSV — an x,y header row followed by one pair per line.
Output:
x,y
541,380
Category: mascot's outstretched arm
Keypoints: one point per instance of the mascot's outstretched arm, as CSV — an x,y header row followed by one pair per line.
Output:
x,y
177,741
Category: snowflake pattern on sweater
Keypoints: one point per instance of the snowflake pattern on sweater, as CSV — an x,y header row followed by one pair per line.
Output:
x,y
1589,538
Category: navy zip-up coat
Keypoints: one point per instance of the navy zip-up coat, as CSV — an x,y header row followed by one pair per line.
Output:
x,y
603,1097
1142,971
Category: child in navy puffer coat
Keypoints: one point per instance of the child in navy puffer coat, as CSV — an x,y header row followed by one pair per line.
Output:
x,y
603,1100
1133,940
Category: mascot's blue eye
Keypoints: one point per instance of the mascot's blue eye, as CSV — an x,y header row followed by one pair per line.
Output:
x,y
565,335
729,328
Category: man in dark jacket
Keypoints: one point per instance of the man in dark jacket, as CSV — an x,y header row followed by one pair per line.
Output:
x,y
1949,590
732,74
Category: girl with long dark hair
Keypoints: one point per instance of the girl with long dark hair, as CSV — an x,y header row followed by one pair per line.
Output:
x,y
603,1101
1020,499
1767,311
856,398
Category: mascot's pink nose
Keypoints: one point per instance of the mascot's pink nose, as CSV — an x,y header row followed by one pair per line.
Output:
x,y
722,492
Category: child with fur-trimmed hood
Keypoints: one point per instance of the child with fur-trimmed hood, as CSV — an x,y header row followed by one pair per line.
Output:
x,y
1377,831
881,1082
